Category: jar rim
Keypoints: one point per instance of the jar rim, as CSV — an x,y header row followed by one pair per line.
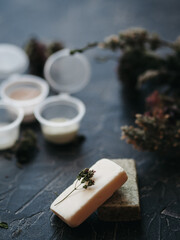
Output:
x,y
60,98
20,79
17,121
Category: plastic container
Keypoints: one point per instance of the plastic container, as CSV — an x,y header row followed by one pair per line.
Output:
x,y
12,60
60,116
24,91
10,120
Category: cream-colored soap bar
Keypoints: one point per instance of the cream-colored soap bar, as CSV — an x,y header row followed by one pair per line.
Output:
x,y
82,203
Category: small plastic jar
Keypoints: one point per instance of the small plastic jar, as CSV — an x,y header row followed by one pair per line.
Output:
x,y
10,120
24,91
60,118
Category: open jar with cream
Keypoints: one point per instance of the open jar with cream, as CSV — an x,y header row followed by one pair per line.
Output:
x,y
60,118
24,91
60,115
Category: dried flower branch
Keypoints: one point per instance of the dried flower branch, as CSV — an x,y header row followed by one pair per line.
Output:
x,y
38,52
84,177
149,75
81,50
131,39
159,128
139,55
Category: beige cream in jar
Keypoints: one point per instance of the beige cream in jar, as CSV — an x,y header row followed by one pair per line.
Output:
x,y
60,135
25,91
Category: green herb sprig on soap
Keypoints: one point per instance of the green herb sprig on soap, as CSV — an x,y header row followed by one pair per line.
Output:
x,y
84,178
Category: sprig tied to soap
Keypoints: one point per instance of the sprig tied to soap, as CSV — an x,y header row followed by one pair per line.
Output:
x,y
84,179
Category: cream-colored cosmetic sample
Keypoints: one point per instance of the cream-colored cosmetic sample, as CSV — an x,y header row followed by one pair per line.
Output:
x,y
60,135
82,203
24,93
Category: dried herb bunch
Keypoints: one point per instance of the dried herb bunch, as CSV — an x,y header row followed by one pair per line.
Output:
x,y
84,178
38,52
139,61
158,128
25,146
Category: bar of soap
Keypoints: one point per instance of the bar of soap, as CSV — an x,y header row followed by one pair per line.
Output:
x,y
82,203
124,204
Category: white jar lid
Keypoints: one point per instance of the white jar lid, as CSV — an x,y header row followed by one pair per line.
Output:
x,y
12,60
67,73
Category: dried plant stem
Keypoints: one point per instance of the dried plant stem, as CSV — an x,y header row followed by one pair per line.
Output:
x,y
75,188
84,177
88,46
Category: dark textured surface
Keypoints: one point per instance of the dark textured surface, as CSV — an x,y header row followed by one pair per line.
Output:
x,y
26,194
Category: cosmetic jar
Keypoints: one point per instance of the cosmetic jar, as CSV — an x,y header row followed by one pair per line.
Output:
x,y
24,91
10,120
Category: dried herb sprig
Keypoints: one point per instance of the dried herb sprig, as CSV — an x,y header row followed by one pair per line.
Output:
x,y
81,50
38,52
84,177
131,39
158,128
25,146
3,225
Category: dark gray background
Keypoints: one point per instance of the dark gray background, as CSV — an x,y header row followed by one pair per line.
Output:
x,y
26,194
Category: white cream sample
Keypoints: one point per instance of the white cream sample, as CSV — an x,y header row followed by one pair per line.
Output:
x,y
60,135
82,203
